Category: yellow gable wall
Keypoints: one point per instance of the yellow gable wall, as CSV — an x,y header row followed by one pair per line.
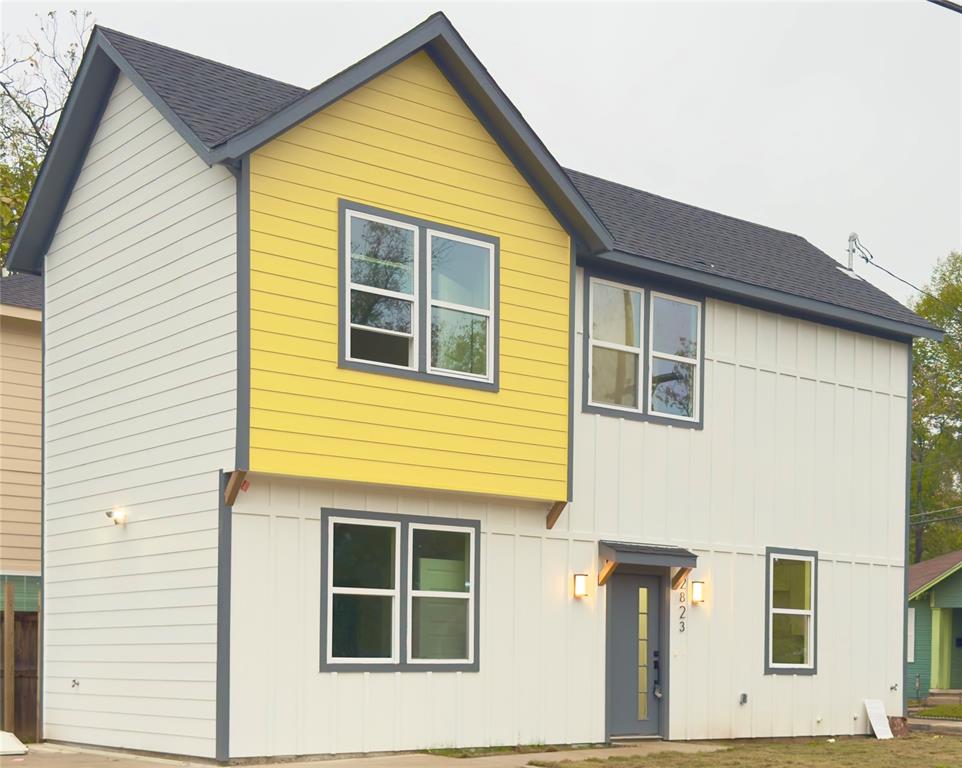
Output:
x,y
404,142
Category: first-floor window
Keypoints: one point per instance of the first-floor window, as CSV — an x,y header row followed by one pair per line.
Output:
x,y
399,592
791,606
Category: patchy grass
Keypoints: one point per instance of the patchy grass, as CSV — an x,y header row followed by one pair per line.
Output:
x,y
953,711
918,751
524,749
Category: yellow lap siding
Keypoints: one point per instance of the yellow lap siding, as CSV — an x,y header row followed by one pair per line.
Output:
x,y
407,143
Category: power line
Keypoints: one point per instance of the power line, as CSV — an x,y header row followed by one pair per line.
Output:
x,y
934,512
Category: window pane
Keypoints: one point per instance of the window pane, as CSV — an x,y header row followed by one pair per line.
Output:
x,y
459,341
672,387
441,561
615,315
439,628
460,273
614,377
380,312
382,256
789,639
674,327
792,584
361,626
380,347
363,556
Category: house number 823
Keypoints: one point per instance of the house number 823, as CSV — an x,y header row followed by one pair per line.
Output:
x,y
682,605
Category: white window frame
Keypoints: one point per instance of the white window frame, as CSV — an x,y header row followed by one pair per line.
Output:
x,y
349,285
412,593
487,313
910,636
772,610
693,361
393,593
639,351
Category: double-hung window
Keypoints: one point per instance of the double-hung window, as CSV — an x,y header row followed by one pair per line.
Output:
x,y
419,298
791,604
398,592
644,353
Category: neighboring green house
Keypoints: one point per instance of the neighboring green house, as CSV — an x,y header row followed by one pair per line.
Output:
x,y
934,646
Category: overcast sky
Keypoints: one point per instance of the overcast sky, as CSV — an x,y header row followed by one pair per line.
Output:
x,y
819,118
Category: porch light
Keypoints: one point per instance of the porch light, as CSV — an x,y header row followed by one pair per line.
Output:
x,y
581,585
118,515
698,592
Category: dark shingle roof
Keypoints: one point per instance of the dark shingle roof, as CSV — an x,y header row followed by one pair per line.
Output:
x,y
22,291
215,100
928,571
644,224
218,102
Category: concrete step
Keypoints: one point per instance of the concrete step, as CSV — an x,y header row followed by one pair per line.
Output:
x,y
937,697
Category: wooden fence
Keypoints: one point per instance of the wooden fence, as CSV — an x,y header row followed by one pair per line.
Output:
x,y
20,710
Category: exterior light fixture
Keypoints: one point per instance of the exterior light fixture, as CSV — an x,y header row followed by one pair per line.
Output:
x,y
697,592
118,515
581,585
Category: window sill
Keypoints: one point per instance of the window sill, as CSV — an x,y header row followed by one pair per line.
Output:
x,y
769,670
337,666
407,373
618,413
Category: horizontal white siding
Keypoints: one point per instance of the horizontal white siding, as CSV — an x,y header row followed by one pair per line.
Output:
x,y
803,447
541,653
140,414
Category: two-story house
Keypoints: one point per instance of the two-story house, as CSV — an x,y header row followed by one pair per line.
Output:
x,y
370,427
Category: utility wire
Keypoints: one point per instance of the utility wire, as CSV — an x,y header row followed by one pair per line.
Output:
x,y
935,512
948,519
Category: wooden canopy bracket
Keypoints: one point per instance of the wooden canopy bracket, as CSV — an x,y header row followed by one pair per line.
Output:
x,y
606,570
680,575
233,487
554,513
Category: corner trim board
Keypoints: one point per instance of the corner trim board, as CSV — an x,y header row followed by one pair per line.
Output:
x,y
243,261
222,705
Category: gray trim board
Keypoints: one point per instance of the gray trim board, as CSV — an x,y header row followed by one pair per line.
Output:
x,y
909,386
243,438
646,286
572,343
42,628
64,160
768,298
770,670
422,373
403,665
222,705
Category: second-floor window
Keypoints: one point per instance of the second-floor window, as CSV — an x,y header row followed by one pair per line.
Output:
x,y
419,298
644,353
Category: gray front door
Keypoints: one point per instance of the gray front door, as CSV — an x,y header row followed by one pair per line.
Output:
x,y
633,668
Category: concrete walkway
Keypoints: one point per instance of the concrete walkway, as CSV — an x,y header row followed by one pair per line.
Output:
x,y
57,756
935,725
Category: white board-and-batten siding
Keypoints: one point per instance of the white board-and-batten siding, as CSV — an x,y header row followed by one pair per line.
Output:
x,y
140,377
803,447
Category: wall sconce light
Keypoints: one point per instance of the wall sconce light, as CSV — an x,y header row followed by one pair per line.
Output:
x,y
697,592
118,515
581,585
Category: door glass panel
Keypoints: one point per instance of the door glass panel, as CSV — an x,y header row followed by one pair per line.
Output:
x,y
642,656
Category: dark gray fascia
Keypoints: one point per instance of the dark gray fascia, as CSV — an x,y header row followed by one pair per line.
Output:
x,y
769,669
768,298
242,448
447,48
632,554
403,664
58,173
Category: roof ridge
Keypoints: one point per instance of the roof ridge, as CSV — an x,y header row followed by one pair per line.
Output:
x,y
687,205
108,31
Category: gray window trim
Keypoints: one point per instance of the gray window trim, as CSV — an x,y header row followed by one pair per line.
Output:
x,y
781,670
404,522
421,373
646,287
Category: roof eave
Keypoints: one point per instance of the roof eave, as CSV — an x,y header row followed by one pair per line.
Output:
x,y
769,297
934,582
75,131
438,37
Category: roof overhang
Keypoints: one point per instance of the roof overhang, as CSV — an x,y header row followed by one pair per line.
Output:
x,y
766,298
629,556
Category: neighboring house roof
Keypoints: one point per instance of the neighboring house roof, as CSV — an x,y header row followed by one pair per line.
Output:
x,y
925,575
224,113
22,290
